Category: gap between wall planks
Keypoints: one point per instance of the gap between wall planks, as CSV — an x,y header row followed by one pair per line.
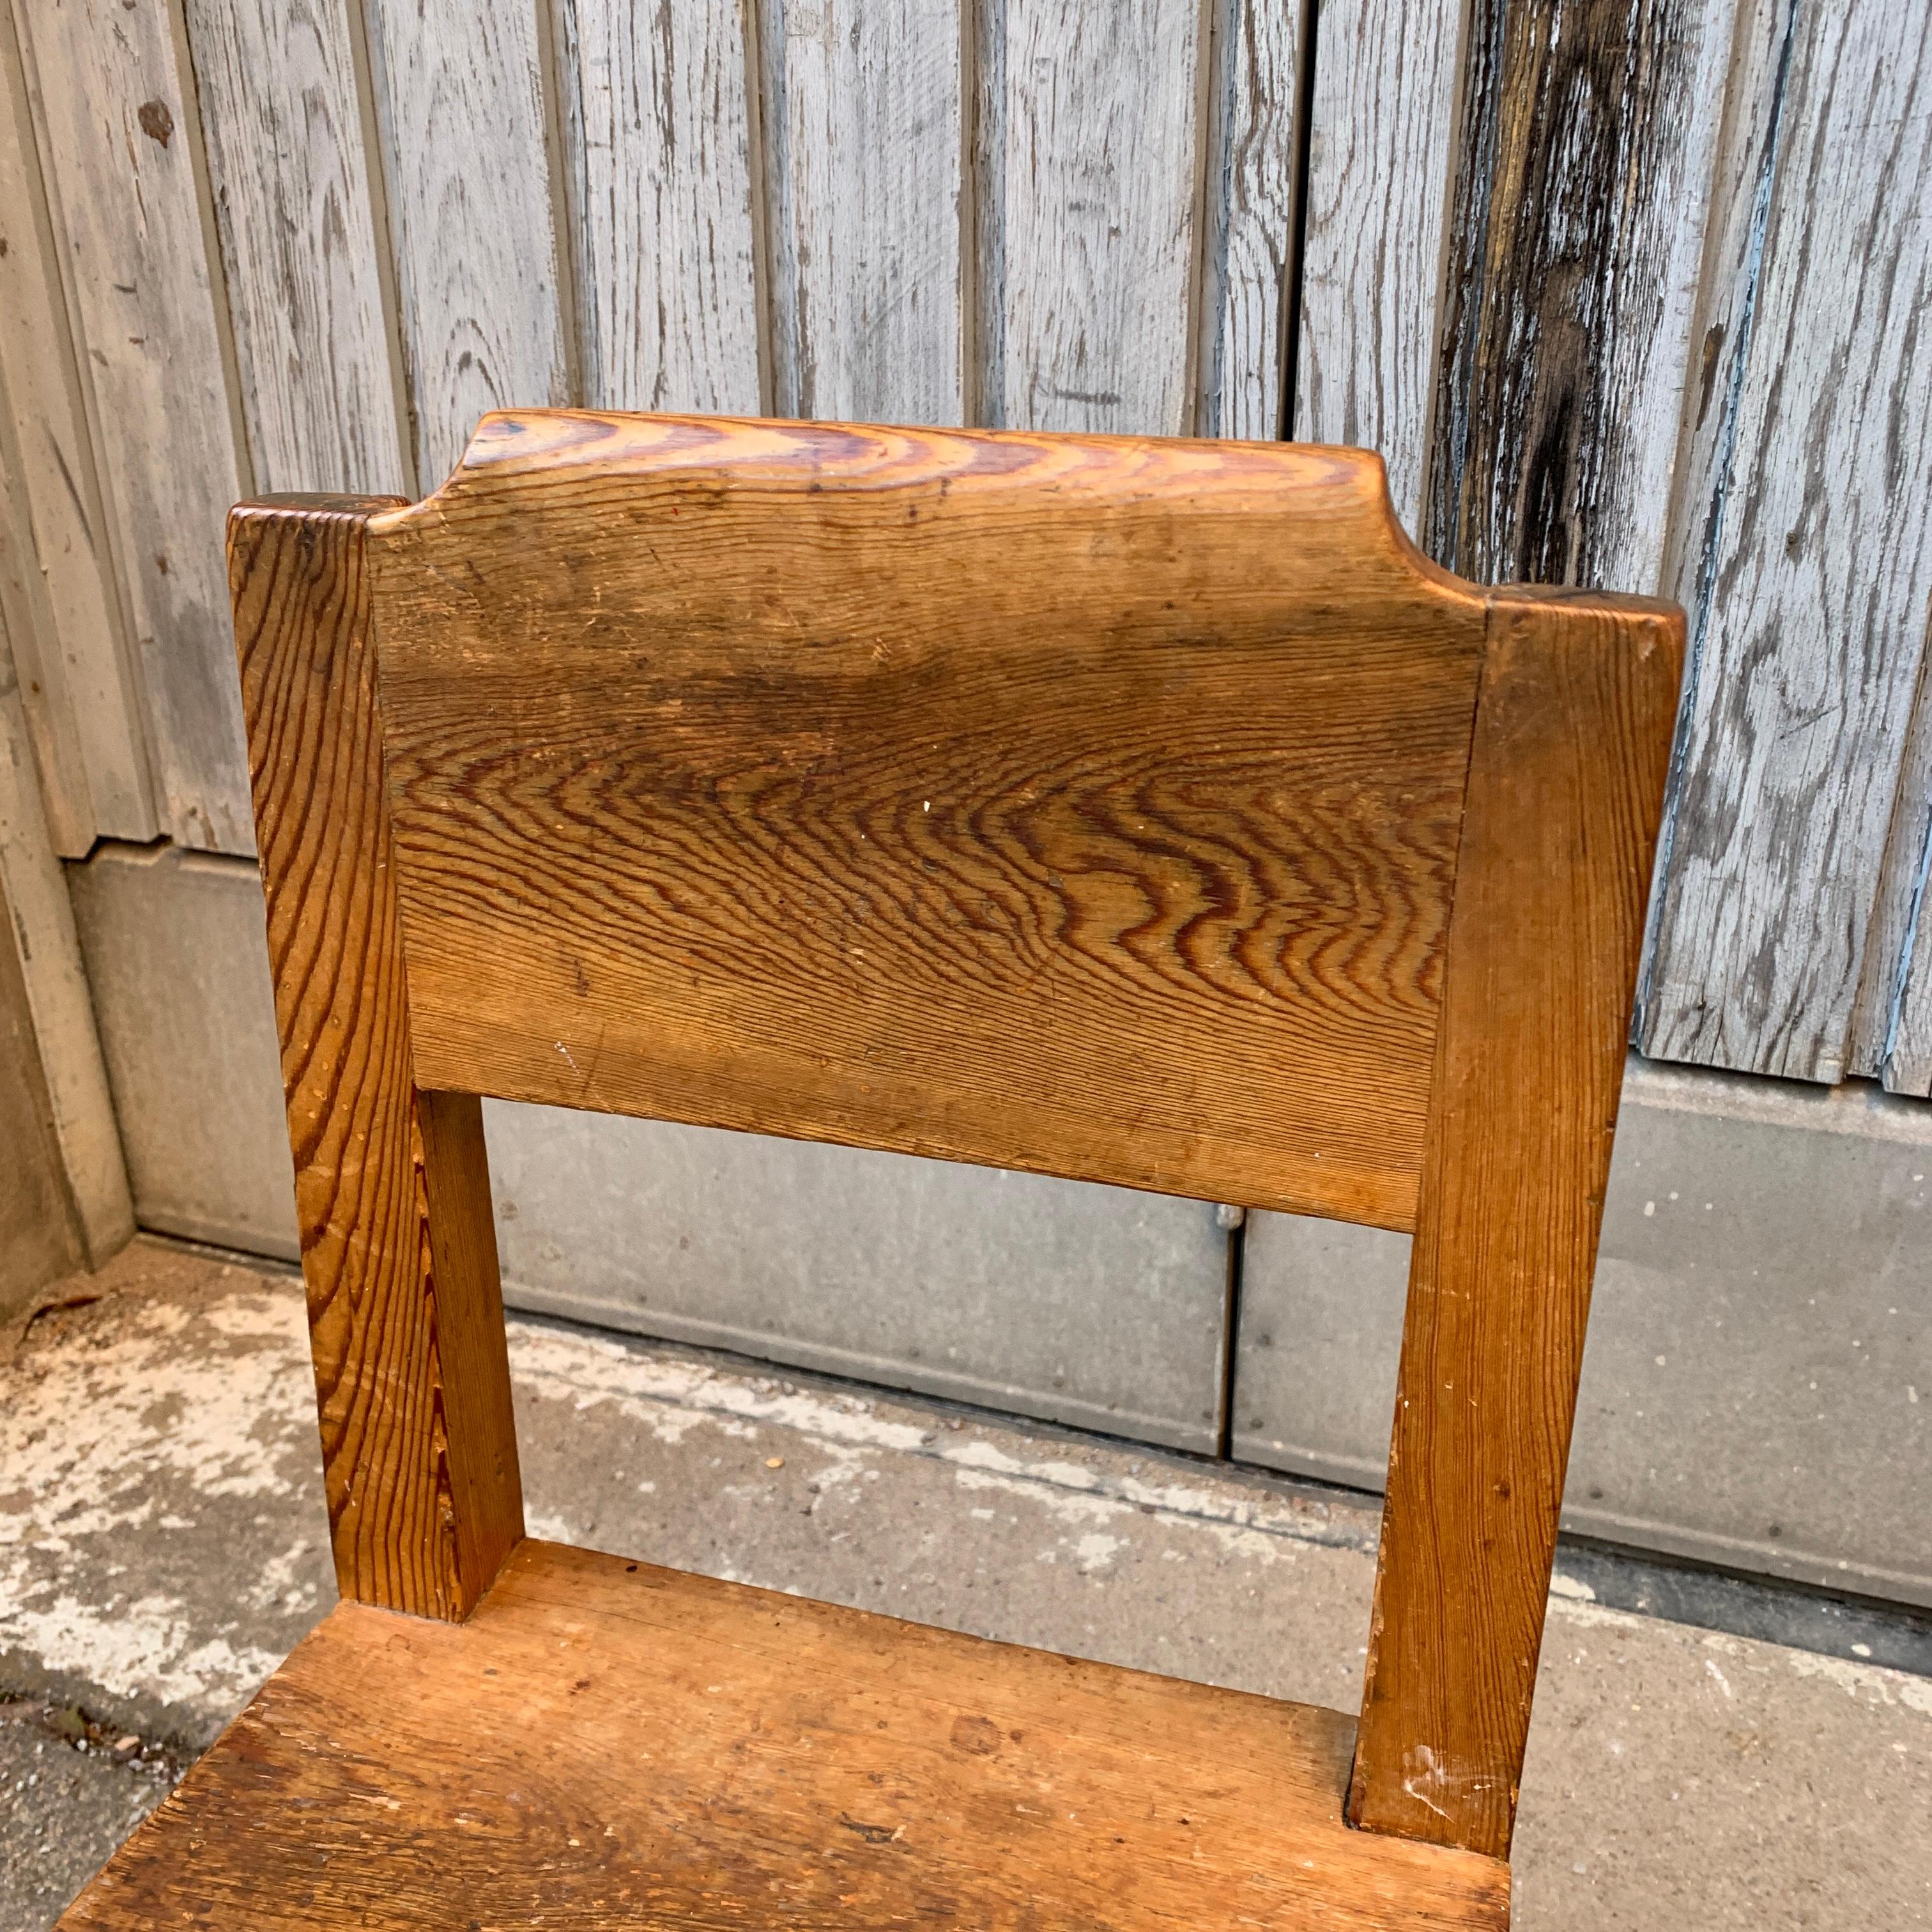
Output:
x,y
1806,552
60,592
392,1189
1892,1034
114,110
1566,784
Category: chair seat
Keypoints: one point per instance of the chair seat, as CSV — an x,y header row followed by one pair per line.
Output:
x,y
605,1744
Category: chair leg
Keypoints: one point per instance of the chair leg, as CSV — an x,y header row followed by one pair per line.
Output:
x,y
392,1189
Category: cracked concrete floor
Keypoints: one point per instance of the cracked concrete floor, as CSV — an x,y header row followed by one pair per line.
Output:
x,y
162,1544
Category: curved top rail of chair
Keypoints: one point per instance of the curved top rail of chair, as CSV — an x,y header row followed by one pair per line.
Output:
x,y
1088,804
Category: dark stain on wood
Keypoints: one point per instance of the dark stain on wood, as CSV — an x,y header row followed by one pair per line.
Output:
x,y
1555,278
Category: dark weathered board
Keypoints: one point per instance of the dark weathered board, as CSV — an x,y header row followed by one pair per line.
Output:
x,y
392,1194
605,1744
1576,239
1566,786
1077,805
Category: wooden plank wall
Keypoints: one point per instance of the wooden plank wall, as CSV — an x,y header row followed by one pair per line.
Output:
x,y
1627,291
1804,555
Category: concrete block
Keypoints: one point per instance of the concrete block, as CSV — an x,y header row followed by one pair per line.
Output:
x,y
1757,1384
1087,1305
177,956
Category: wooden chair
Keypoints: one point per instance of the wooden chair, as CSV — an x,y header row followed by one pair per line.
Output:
x,y
1141,811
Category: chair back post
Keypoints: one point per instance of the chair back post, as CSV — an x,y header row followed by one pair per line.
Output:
x,y
392,1191
1572,738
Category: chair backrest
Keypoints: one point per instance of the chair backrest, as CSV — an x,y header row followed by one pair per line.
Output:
x,y
1136,811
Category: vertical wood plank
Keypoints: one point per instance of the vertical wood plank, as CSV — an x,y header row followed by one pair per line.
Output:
x,y
1251,160
1575,248
1891,1022
115,109
863,126
1382,151
1566,783
1805,545
39,938
1906,1053
57,579
1090,154
282,115
392,1190
667,292
481,272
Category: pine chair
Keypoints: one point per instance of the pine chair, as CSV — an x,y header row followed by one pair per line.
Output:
x,y
1140,811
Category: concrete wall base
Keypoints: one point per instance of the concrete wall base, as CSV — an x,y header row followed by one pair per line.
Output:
x,y
1757,1386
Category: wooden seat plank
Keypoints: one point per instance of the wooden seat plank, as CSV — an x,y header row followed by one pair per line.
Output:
x,y
606,1743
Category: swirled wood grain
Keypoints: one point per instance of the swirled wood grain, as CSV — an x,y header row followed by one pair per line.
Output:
x,y
392,1194
1079,805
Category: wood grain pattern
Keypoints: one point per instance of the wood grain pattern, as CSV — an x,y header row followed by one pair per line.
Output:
x,y
40,1234
660,138
1251,212
55,1064
1380,155
51,738
392,1194
57,581
1588,132
1087,807
1892,1021
1090,127
282,118
482,273
807,1766
1907,1059
863,118
114,109
1806,546
1566,782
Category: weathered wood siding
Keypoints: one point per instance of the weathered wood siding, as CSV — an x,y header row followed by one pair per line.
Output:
x,y
483,291
1574,251
58,588
1803,550
1628,292
866,214
112,96
1381,158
